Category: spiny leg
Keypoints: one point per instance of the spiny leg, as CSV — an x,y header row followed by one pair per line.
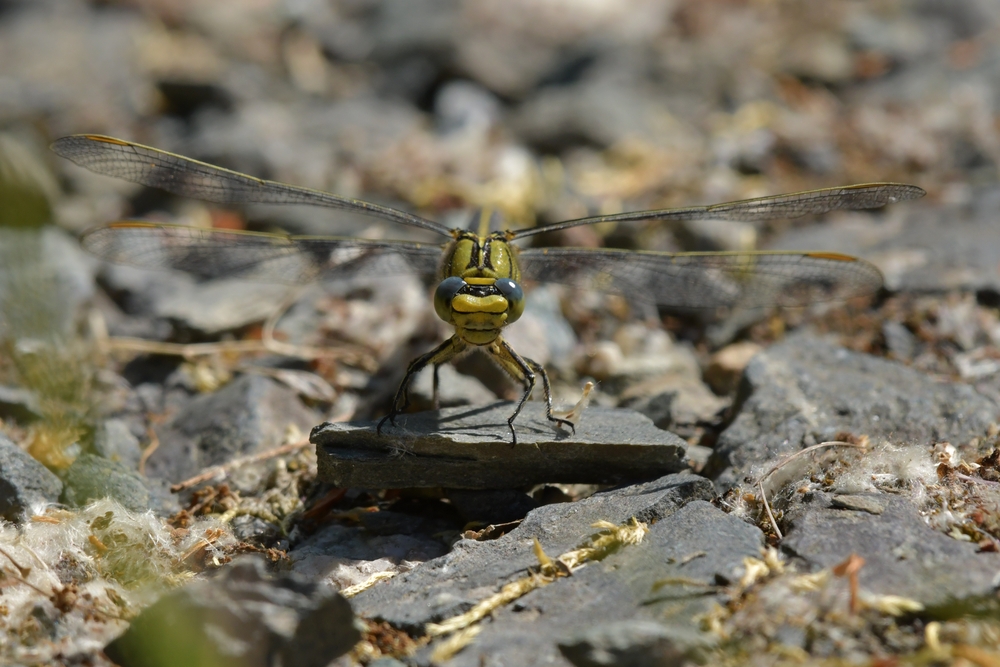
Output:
x,y
435,402
523,370
439,355
537,367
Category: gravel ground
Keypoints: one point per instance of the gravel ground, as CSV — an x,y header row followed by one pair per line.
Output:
x,y
810,485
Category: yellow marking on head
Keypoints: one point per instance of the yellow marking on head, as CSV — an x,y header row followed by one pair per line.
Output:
x,y
466,303
835,256
107,140
480,281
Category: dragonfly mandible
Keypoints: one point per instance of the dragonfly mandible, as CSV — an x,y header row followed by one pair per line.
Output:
x,y
478,273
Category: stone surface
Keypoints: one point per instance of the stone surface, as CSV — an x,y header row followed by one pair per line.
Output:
x,y
18,404
630,644
210,307
903,555
697,543
910,248
806,390
250,414
451,584
454,389
240,618
674,400
725,367
342,556
470,448
26,486
92,477
115,441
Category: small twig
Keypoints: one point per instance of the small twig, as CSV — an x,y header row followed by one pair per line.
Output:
x,y
154,442
849,568
785,461
221,470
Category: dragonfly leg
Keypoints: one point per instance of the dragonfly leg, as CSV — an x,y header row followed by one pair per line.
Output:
x,y
523,370
537,367
439,355
435,402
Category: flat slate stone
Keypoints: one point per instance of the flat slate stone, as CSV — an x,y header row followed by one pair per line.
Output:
x,y
453,583
670,578
805,390
698,544
903,555
470,448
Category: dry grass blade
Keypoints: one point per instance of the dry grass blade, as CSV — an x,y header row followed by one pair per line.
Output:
x,y
785,461
609,539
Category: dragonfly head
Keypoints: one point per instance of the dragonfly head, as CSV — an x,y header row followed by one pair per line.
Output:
x,y
478,307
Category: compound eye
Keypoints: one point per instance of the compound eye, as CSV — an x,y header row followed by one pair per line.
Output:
x,y
443,295
514,295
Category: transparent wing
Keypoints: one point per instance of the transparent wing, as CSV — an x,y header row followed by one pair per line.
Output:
x,y
706,280
867,195
214,253
200,180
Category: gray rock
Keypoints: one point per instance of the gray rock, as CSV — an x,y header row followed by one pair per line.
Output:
x,y
18,404
698,545
861,503
25,484
903,555
115,441
250,414
241,618
342,556
910,248
674,399
453,583
454,389
92,478
630,644
805,390
901,342
210,307
469,448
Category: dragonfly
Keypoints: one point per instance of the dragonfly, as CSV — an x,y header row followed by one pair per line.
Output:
x,y
479,273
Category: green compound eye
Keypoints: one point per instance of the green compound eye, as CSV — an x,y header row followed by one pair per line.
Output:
x,y
443,295
514,295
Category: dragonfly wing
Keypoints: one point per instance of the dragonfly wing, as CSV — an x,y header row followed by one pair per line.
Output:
x,y
706,280
793,205
199,180
215,253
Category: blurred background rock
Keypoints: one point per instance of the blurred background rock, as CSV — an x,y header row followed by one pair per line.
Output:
x,y
548,109
551,108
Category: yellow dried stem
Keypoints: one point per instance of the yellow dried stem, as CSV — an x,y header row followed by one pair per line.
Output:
x,y
610,538
447,649
351,591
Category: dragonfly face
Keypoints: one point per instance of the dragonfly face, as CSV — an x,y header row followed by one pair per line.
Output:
x,y
477,275
479,292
